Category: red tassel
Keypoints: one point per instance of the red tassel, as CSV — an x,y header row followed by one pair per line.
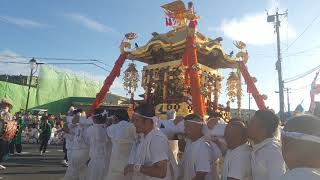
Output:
x,y
170,22
167,22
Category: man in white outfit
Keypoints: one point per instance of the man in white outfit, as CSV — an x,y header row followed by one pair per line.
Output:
x,y
266,158
122,135
68,135
151,157
237,162
197,160
98,147
301,147
171,127
79,153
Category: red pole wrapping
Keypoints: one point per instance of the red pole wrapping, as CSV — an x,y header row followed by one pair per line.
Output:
x,y
192,59
108,82
251,86
315,89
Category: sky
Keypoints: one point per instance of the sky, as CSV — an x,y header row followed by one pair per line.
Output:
x,y
80,29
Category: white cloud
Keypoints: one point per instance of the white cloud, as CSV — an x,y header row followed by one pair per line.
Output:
x,y
14,67
254,29
90,23
22,22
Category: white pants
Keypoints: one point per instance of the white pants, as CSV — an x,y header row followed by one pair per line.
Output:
x,y
174,148
77,165
97,168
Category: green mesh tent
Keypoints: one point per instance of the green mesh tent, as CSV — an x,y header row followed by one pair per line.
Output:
x,y
53,92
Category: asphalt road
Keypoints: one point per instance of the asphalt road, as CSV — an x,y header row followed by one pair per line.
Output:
x,y
29,165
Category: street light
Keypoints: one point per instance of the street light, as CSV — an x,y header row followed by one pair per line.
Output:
x,y
33,66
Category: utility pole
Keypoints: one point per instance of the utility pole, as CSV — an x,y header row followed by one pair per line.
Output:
x,y
275,19
288,99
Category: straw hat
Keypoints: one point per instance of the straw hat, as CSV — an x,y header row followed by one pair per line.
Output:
x,y
6,101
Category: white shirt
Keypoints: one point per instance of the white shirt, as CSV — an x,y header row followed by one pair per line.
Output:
x,y
302,174
80,138
123,130
151,149
266,160
196,158
98,142
53,132
170,129
69,136
122,136
34,133
237,163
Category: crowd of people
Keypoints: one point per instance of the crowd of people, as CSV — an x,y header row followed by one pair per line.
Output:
x,y
31,129
143,147
31,126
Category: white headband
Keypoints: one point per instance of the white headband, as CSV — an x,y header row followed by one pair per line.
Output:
x,y
102,114
154,118
197,122
143,116
301,136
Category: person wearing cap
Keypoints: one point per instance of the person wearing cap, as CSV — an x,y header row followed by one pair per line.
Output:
x,y
79,150
151,157
122,135
99,152
266,158
237,161
301,147
5,106
197,160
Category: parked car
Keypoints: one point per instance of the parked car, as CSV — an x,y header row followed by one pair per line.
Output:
x,y
39,112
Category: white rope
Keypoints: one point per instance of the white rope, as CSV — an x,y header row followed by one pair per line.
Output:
x,y
301,136
197,122
154,119
102,114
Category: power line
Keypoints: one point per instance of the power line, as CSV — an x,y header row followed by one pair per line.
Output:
x,y
299,76
304,51
305,30
57,59
14,62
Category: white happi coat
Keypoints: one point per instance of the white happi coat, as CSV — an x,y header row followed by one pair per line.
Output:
x,y
237,163
302,174
99,152
170,129
266,160
79,154
150,149
198,157
122,136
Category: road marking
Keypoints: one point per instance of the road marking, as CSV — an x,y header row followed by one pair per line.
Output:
x,y
23,153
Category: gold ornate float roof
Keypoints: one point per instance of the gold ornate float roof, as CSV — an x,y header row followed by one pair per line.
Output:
x,y
170,46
